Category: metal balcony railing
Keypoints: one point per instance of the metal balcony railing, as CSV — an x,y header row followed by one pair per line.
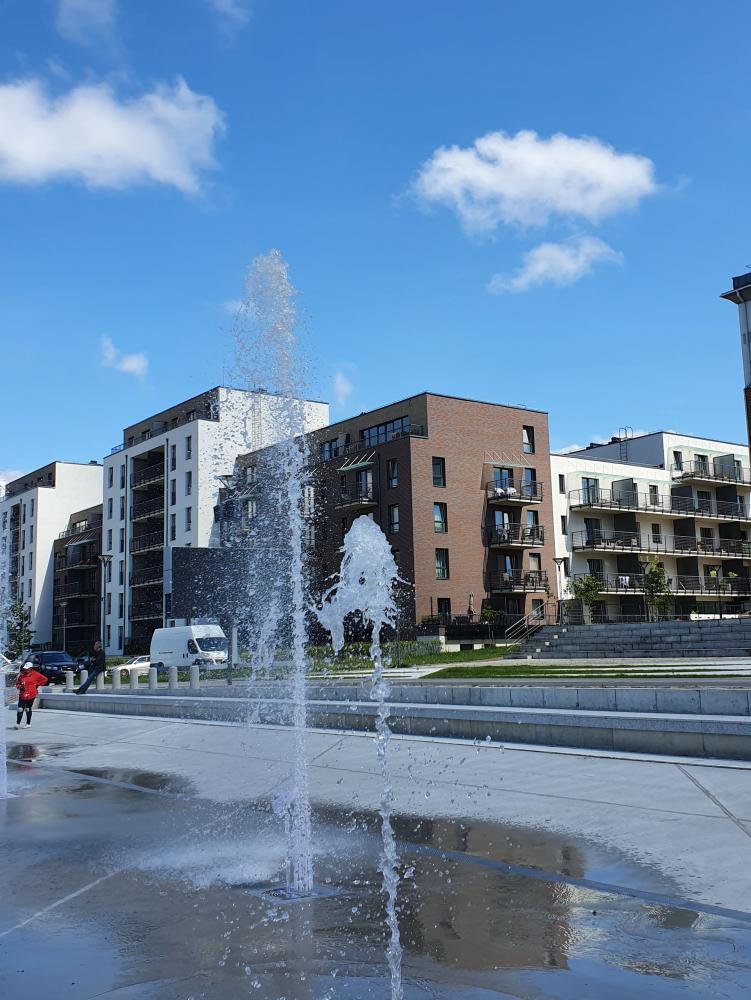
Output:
x,y
85,588
149,609
149,474
151,574
516,535
152,540
660,503
76,619
353,498
518,580
715,470
636,541
147,508
94,523
513,491
633,583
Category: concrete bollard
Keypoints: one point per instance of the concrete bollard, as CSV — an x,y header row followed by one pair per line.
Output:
x,y
194,677
172,675
133,680
99,682
69,680
116,678
152,679
84,676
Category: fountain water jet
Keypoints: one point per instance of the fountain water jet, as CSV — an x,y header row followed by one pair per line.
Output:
x,y
365,586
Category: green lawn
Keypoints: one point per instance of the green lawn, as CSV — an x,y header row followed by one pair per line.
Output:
x,y
618,671
464,656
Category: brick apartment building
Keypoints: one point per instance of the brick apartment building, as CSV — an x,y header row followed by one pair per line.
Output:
x,y
459,488
77,589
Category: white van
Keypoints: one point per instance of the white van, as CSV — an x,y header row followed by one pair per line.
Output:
x,y
185,645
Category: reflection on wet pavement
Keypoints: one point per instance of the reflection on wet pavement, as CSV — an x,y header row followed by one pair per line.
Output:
x,y
175,916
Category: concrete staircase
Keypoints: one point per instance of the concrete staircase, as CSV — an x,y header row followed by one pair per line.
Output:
x,y
730,637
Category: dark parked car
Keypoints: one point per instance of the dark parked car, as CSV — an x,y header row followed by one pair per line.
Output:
x,y
53,665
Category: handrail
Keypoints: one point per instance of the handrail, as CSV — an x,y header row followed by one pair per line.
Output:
x,y
77,530
710,469
527,626
357,496
636,541
517,534
155,505
623,583
659,503
518,579
149,540
153,471
506,490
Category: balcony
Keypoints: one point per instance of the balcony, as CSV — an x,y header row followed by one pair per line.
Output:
x,y
145,543
660,503
634,541
147,609
77,619
359,499
84,588
517,582
150,474
633,583
508,491
149,575
516,536
711,472
147,508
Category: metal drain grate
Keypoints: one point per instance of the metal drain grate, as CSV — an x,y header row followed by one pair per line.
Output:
x,y
282,894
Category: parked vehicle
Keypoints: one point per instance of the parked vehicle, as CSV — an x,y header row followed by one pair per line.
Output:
x,y
138,664
53,665
185,645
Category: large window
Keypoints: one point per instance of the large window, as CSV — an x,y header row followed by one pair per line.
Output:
x,y
528,440
381,433
439,472
561,483
173,527
330,449
188,518
173,457
189,446
441,564
173,492
440,518
678,461
392,473
394,518
110,474
188,483
444,608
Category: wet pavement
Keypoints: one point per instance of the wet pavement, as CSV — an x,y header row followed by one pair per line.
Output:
x,y
127,881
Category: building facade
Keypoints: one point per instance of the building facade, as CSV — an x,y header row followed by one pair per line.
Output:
x,y
35,509
160,488
77,589
678,500
740,295
459,488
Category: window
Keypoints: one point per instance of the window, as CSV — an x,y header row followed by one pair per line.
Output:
x,y
533,519
439,472
122,508
31,561
392,473
173,492
440,518
28,589
656,534
120,636
441,564
23,565
109,539
381,433
23,518
122,539
702,464
188,518
31,508
567,566
654,495
108,637
249,512
173,527
109,509
173,457
594,567
109,571
394,518
122,477
121,605
561,483
707,538
329,449
131,441
190,415
250,474
528,440
108,601
188,483
121,573
703,499
678,461
444,608
564,524
535,562
31,534
397,556
189,446
23,538
110,476
590,489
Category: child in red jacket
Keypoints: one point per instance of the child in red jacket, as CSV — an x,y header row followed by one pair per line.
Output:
x,y
28,683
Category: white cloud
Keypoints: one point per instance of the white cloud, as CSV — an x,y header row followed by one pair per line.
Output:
x,y
232,14
131,364
343,388
164,136
86,21
556,264
233,306
527,180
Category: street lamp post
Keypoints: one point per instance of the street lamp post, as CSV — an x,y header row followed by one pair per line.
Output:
x,y
559,561
104,561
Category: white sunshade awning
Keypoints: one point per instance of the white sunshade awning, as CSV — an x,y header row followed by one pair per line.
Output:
x,y
358,461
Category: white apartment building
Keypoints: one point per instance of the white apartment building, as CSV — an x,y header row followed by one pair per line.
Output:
x,y
160,487
679,499
33,512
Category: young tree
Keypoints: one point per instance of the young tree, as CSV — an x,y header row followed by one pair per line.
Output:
x,y
18,627
656,588
587,590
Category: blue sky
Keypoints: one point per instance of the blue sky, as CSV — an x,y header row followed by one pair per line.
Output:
x,y
149,151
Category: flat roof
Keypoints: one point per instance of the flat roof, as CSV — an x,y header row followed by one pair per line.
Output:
x,y
638,437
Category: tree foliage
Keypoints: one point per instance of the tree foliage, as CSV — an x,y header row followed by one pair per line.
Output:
x,y
19,630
